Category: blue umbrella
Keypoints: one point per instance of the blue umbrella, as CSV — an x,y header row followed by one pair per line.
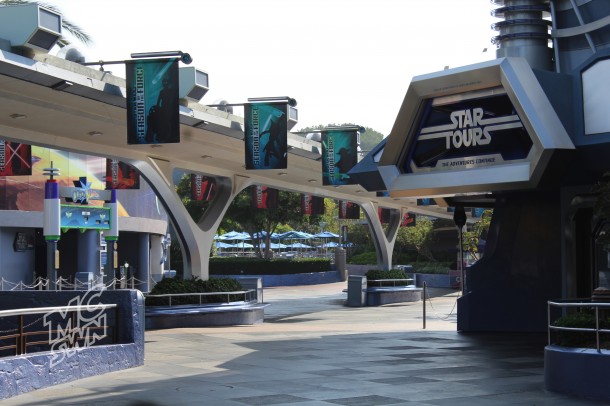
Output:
x,y
326,234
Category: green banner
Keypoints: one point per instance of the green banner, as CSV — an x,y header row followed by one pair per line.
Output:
x,y
266,135
152,101
339,155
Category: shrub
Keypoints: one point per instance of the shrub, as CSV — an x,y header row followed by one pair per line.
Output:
x,y
376,274
364,258
586,339
193,285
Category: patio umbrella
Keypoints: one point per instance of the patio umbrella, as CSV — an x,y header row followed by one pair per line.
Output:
x,y
326,234
298,245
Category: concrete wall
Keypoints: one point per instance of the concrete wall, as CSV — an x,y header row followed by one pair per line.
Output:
x,y
24,373
16,266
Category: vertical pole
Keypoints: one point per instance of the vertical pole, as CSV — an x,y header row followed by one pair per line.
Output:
x,y
111,236
425,295
461,261
51,221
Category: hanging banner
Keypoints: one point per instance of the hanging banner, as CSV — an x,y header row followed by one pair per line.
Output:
x,y
15,159
120,175
312,205
408,220
264,197
384,215
152,101
426,201
477,212
266,135
203,188
348,211
339,155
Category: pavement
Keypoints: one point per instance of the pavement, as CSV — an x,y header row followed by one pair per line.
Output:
x,y
313,350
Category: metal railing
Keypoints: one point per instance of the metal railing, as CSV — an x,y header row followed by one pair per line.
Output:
x,y
565,305
248,296
73,332
67,284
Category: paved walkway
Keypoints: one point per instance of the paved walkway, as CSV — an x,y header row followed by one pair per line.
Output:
x,y
312,350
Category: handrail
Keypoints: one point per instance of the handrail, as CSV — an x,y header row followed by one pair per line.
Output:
x,y
200,294
69,335
582,303
43,310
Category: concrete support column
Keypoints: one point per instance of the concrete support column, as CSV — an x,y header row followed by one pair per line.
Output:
x,y
383,241
143,267
156,258
196,239
87,255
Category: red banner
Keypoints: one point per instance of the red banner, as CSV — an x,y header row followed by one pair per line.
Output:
x,y
15,159
264,197
120,175
384,215
349,210
202,188
408,220
312,205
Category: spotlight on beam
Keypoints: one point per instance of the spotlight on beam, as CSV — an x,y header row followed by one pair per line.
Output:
x,y
30,27
194,83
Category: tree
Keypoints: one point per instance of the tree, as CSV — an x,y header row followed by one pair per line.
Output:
x,y
252,220
69,26
479,230
418,237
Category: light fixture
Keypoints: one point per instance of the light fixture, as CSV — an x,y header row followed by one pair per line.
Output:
x,y
61,85
184,57
206,156
95,133
193,83
17,116
30,26
156,145
311,180
282,173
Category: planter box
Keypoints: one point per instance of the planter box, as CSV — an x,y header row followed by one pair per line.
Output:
x,y
378,296
579,372
433,280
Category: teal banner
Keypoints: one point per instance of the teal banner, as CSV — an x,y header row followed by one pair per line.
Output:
x,y
266,135
339,155
152,101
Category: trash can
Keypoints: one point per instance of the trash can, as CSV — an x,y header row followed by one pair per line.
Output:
x,y
356,291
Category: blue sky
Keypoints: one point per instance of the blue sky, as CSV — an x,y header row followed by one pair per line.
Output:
x,y
342,60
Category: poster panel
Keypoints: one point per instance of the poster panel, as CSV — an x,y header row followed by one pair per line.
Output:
x,y
339,155
348,210
120,175
266,135
408,220
203,188
152,101
15,159
264,197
